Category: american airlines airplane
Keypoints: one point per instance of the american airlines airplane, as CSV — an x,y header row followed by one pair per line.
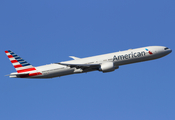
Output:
x,y
105,63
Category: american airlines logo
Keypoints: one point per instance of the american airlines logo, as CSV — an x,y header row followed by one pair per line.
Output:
x,y
148,51
128,56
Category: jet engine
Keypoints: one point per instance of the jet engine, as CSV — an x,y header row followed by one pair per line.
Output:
x,y
107,67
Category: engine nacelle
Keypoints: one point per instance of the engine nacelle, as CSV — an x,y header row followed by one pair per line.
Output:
x,y
78,71
107,67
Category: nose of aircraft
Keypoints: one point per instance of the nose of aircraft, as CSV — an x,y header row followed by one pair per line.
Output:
x,y
170,51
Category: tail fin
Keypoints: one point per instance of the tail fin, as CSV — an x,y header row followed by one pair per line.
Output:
x,y
20,64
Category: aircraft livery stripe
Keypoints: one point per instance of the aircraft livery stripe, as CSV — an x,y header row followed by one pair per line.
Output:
x,y
12,53
15,56
10,56
20,60
25,64
26,70
17,66
13,61
17,63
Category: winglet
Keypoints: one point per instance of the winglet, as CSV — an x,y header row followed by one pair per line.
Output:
x,y
75,58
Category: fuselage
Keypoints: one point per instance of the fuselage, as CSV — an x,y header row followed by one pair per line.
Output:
x,y
107,62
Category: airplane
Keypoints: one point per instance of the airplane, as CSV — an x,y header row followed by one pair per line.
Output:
x,y
104,63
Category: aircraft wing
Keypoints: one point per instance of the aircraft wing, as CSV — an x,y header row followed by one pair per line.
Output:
x,y
81,65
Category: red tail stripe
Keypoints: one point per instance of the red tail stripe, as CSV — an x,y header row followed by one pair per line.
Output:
x,y
26,70
14,61
17,66
6,52
10,56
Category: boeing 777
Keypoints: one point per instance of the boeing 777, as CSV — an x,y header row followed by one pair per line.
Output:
x,y
104,63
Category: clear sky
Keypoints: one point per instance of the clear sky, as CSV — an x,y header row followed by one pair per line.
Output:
x,y
43,32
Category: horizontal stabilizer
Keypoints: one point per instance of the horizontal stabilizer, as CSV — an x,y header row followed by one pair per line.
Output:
x,y
14,74
24,75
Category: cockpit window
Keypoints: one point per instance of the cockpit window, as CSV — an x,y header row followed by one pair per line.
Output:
x,y
166,48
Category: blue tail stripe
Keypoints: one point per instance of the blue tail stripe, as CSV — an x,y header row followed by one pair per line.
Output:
x,y
12,53
26,64
15,55
22,62
17,58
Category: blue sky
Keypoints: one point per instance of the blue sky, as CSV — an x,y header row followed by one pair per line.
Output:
x,y
44,32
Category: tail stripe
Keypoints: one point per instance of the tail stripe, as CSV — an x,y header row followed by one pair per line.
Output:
x,y
10,56
14,61
20,60
17,63
25,64
17,66
15,56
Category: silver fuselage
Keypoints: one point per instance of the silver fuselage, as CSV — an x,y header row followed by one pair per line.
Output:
x,y
118,58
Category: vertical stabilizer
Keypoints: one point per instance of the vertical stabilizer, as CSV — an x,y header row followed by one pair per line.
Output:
x,y
20,64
